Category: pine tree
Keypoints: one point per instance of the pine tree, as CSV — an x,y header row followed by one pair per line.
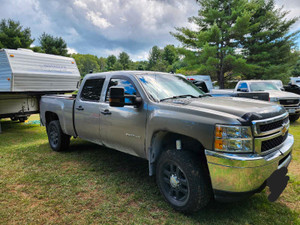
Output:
x,y
212,48
269,45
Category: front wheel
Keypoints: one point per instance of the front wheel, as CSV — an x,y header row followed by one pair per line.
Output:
x,y
183,181
57,139
293,118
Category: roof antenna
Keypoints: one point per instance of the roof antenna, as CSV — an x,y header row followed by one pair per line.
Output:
x,y
91,71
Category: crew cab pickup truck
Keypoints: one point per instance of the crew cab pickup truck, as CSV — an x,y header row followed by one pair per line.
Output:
x,y
199,147
290,101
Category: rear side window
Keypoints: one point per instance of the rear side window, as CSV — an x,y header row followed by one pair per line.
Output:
x,y
91,90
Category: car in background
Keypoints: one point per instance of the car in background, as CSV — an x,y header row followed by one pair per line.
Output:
x,y
293,86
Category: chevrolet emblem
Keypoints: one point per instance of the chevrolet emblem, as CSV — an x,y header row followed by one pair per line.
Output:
x,y
284,129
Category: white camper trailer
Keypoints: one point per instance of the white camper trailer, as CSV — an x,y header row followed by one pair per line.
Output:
x,y
25,76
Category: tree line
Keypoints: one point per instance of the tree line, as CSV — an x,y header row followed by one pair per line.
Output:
x,y
231,40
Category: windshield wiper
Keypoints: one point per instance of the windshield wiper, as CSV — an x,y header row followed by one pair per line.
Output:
x,y
179,96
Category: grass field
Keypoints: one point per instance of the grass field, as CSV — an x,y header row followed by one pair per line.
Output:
x,y
90,184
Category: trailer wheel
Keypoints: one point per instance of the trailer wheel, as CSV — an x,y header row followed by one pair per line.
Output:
x,y
57,139
183,181
14,118
293,118
23,119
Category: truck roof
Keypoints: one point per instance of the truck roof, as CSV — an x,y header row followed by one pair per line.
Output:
x,y
129,72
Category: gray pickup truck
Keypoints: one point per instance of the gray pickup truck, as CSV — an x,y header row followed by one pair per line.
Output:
x,y
199,147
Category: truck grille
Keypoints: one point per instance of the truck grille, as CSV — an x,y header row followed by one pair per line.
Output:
x,y
270,133
272,143
273,125
289,101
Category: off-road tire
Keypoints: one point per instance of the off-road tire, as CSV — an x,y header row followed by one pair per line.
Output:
x,y
57,139
293,118
194,174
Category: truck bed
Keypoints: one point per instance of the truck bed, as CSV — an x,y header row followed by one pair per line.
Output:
x,y
63,106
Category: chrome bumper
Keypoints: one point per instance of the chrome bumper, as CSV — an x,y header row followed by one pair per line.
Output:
x,y
292,109
246,172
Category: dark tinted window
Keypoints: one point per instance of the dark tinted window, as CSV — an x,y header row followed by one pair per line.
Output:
x,y
92,89
128,88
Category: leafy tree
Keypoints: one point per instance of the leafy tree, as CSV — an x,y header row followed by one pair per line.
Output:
x,y
269,45
170,54
86,63
156,60
140,65
110,62
154,56
124,60
13,36
211,49
117,66
102,63
53,45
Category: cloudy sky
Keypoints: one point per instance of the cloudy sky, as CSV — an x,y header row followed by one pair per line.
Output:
x,y
104,27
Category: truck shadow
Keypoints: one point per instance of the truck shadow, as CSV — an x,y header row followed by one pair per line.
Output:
x,y
132,172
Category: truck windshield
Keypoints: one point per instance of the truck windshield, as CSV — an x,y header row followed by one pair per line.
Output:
x,y
165,86
263,86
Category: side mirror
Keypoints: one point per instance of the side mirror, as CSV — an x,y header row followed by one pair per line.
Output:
x,y
282,89
116,97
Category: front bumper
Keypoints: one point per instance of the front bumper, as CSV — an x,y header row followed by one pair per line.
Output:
x,y
292,109
246,173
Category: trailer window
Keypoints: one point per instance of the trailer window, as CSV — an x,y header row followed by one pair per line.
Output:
x,y
91,90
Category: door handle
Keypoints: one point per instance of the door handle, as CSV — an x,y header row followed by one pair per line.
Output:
x,y
80,108
106,112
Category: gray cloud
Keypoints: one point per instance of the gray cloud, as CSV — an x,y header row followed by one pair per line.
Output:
x,y
104,27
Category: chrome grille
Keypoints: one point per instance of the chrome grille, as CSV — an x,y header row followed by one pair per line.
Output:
x,y
270,133
289,102
272,143
273,125
270,126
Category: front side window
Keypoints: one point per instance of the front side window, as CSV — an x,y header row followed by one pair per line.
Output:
x,y
91,90
129,89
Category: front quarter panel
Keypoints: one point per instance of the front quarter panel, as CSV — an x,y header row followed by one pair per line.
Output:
x,y
198,124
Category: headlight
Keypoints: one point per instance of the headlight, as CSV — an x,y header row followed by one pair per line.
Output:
x,y
233,138
276,100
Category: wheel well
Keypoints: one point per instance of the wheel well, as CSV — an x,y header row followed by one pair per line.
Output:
x,y
164,140
50,116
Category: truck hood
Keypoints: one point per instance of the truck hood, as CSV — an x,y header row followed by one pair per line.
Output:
x,y
282,94
230,105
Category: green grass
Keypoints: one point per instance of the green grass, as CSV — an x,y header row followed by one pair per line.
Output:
x,y
90,184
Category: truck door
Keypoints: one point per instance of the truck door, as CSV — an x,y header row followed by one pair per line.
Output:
x,y
86,111
123,128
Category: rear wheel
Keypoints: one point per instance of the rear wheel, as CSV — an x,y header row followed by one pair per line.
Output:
x,y
57,139
293,118
183,181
